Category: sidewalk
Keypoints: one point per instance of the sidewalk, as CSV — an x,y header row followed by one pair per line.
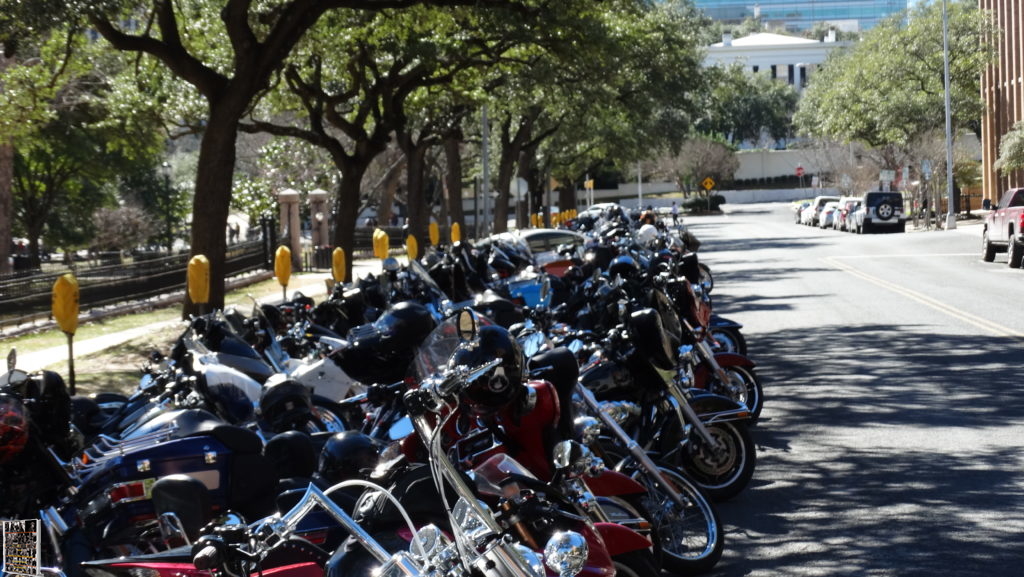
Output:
x,y
57,356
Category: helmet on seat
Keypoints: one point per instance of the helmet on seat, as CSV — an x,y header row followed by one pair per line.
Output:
x,y
502,384
286,405
624,266
405,325
347,455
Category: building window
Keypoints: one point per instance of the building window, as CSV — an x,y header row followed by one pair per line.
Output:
x,y
775,72
790,78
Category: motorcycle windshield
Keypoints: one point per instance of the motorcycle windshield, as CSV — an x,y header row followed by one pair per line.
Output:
x,y
495,472
433,354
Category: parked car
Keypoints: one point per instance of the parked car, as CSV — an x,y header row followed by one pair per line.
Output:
x,y
1004,229
798,207
828,213
842,218
809,215
880,211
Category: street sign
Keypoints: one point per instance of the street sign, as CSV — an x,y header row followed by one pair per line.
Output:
x,y
887,175
707,183
799,170
926,168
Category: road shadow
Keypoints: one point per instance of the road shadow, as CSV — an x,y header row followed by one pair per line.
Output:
x,y
881,467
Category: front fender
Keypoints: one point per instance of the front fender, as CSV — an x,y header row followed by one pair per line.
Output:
x,y
725,360
611,483
619,539
734,360
716,408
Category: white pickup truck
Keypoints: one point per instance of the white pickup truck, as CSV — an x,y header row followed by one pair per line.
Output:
x,y
1004,229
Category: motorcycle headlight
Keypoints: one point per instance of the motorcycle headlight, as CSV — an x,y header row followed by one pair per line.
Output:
x,y
587,429
532,559
566,553
431,540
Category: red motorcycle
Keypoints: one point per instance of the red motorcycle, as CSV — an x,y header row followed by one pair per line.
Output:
x,y
473,412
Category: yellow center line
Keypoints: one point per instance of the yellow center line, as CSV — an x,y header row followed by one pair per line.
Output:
x,y
928,301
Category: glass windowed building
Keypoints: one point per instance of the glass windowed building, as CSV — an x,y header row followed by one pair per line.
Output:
x,y
852,15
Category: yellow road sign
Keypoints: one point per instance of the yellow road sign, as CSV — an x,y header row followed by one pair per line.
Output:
x,y
708,183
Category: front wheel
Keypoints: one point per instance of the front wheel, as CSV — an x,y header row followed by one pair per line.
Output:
x,y
689,533
743,387
729,340
635,564
1015,253
988,250
722,472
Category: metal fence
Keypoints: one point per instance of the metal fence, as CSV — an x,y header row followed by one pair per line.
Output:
x,y
110,278
27,295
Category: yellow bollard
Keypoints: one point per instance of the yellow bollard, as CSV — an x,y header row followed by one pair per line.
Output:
x,y
283,268
65,310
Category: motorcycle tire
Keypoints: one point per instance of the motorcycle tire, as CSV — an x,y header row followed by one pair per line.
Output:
x,y
328,416
745,387
635,564
729,341
706,278
688,541
721,475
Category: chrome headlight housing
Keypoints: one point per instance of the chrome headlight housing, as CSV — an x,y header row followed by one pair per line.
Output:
x,y
586,429
566,553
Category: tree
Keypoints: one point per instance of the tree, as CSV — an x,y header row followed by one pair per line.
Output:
x,y
1011,150
231,62
888,89
745,107
73,141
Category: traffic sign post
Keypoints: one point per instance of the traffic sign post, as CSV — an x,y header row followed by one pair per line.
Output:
x,y
708,183
800,174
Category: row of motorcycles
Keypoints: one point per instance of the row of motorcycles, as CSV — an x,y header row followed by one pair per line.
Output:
x,y
466,413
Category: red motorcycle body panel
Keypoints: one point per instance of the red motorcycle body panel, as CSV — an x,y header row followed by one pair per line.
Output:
x,y
610,483
619,539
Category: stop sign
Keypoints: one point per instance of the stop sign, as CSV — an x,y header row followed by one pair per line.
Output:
x,y
799,171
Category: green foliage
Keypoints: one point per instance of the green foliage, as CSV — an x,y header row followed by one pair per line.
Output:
x,y
743,106
1011,150
888,89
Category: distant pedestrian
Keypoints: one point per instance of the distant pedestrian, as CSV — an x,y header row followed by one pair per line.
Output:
x,y
675,214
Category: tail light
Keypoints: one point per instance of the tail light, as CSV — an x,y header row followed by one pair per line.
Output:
x,y
130,491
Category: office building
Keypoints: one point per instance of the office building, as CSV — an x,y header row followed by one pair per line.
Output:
x,y
1002,86
796,15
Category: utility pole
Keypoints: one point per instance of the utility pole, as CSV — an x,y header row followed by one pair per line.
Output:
x,y
485,188
950,207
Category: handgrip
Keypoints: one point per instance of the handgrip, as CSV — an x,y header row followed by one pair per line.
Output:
x,y
207,558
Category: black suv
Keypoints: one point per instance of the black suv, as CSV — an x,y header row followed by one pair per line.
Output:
x,y
880,211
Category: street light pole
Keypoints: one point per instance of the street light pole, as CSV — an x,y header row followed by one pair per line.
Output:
x,y
951,209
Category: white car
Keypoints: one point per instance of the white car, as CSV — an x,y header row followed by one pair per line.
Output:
x,y
809,215
828,213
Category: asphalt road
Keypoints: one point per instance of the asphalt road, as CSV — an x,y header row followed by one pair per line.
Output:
x,y
891,438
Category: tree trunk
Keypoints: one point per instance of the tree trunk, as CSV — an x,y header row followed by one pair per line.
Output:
x,y
417,205
348,212
214,180
6,205
453,180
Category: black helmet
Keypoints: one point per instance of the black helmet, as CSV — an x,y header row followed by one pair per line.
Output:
x,y
405,325
624,266
291,454
285,405
502,384
347,455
